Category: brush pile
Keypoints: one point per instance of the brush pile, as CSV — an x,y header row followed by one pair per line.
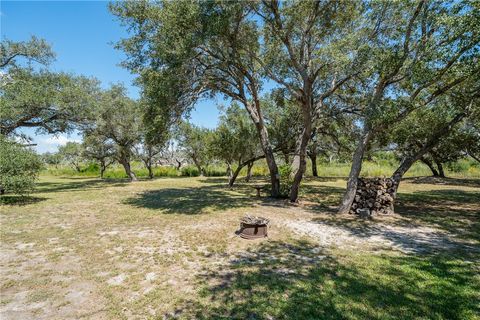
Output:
x,y
374,194
253,220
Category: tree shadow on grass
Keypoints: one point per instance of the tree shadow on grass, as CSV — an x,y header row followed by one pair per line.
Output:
x,y
321,198
13,200
84,184
475,183
324,178
455,211
217,180
445,197
407,238
298,281
193,200
425,223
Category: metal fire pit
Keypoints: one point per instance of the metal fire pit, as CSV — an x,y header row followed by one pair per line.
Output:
x,y
253,227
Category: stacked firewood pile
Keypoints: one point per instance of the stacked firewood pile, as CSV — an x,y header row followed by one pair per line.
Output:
x,y
375,195
253,220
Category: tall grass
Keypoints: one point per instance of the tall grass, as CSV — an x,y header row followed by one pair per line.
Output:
x,y
113,172
463,168
369,169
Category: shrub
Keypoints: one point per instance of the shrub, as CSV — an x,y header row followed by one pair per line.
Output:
x,y
286,180
190,171
19,167
92,168
116,173
215,171
459,166
260,170
165,172
211,171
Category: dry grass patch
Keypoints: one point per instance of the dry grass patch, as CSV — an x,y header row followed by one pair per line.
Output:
x,y
166,249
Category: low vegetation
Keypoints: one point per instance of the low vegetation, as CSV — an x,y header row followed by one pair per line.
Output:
x,y
459,169
166,248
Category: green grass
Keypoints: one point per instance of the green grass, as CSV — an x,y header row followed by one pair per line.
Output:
x,y
350,285
165,248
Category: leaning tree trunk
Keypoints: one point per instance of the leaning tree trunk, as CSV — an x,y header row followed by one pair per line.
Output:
x,y
256,116
128,170
349,194
429,164
406,163
248,163
299,163
234,176
249,171
410,159
473,156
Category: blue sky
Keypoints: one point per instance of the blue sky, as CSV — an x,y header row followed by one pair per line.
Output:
x,y
82,34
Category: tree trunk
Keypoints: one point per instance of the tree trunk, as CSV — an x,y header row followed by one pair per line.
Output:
x,y
286,158
440,169
406,163
234,176
273,169
438,163
256,116
429,164
199,167
313,159
248,163
150,171
148,165
229,170
355,170
179,164
103,167
128,170
409,160
249,171
473,156
299,163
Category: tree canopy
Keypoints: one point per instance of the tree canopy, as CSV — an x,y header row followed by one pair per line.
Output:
x,y
52,102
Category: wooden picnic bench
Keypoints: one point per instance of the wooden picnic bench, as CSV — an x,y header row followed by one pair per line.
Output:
x,y
258,187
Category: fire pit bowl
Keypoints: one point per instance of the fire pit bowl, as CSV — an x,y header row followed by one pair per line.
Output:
x,y
253,227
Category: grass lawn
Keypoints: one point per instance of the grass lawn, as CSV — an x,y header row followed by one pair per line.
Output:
x,y
166,249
